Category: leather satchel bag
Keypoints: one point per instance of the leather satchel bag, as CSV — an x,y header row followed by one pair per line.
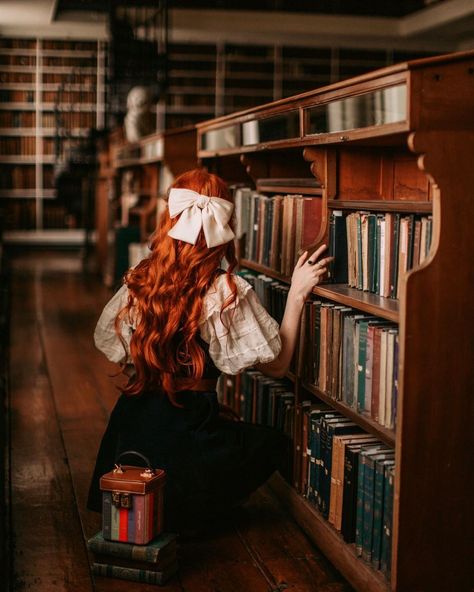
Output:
x,y
132,502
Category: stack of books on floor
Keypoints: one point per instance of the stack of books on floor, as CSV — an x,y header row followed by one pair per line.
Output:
x,y
154,563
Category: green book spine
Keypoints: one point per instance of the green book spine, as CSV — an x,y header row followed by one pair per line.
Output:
x,y
115,521
379,490
378,241
359,252
386,554
394,259
107,514
135,575
150,553
368,516
361,365
372,248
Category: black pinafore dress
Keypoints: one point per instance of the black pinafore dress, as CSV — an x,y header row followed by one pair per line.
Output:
x,y
211,463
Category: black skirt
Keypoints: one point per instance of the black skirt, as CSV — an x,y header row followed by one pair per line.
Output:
x,y
211,463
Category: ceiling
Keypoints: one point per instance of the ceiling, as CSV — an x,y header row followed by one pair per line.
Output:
x,y
419,25
393,8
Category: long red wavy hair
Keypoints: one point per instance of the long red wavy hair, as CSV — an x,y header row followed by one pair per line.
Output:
x,y
166,292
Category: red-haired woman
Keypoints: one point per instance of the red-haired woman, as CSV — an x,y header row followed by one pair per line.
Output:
x,y
178,321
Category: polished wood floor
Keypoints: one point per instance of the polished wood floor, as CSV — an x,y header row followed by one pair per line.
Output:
x,y
61,394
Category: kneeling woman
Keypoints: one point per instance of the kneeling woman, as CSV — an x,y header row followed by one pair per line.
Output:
x,y
178,321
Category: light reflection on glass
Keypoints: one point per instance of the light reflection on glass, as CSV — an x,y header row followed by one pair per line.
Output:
x,y
223,137
278,127
380,107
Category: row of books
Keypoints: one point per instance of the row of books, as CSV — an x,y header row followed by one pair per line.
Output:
x,y
352,357
79,45
70,77
70,119
47,44
154,563
372,250
17,60
348,476
17,96
272,293
13,77
17,43
17,119
23,145
69,96
267,401
18,177
276,228
69,62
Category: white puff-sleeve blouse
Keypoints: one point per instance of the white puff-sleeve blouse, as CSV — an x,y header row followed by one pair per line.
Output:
x,y
242,336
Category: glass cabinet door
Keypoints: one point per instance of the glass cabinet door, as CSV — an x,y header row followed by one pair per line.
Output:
x,y
379,107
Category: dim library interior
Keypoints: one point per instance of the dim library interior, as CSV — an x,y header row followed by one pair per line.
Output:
x,y
343,139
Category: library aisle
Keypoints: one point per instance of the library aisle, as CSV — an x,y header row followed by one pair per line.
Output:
x,y
61,393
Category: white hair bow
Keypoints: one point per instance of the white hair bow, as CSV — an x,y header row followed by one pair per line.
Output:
x,y
212,214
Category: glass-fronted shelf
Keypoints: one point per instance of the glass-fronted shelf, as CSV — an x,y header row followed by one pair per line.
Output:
x,y
284,126
379,107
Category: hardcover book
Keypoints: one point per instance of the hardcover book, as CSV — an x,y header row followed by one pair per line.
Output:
x,y
136,575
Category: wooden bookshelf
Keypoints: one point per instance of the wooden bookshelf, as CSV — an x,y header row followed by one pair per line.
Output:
x,y
371,426
417,207
34,74
152,163
412,156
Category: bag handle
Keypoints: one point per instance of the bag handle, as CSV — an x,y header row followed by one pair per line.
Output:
x,y
149,471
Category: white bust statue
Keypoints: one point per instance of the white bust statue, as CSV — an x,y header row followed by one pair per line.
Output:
x,y
139,120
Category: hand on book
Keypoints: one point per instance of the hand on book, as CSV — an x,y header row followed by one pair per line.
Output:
x,y
309,271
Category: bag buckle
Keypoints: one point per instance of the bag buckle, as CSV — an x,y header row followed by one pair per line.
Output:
x,y
122,500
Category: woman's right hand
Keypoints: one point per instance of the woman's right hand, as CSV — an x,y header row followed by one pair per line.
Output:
x,y
308,272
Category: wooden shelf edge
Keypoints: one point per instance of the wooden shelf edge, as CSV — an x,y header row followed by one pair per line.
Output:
x,y
417,207
263,269
386,308
288,189
372,303
385,434
328,540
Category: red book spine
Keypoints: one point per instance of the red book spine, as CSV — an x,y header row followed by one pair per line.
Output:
x,y
123,525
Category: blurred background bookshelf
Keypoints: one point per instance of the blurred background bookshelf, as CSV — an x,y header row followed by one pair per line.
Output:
x,y
52,98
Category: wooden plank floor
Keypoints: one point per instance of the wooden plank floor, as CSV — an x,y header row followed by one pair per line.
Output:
x,y
61,395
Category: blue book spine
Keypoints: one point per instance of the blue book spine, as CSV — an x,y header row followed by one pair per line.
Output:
x,y
386,553
131,525
361,365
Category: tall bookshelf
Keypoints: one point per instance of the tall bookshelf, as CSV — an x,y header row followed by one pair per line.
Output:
x,y
53,93
399,139
209,80
151,164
